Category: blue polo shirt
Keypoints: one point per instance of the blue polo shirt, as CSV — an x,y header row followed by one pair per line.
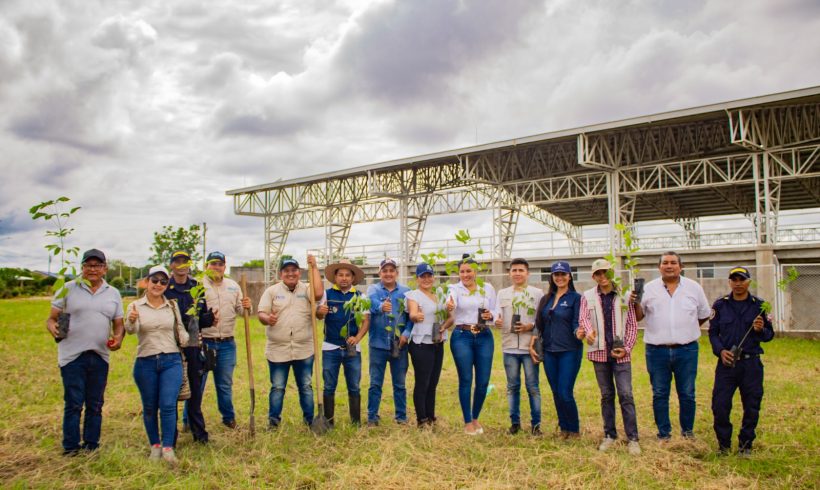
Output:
x,y
731,319
558,325
379,320
337,317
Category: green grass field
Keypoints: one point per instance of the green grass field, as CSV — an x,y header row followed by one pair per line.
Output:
x,y
787,451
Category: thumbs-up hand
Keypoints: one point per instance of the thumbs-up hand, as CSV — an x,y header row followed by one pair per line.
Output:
x,y
451,304
133,314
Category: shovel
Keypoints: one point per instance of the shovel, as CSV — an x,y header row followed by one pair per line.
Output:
x,y
320,424
246,316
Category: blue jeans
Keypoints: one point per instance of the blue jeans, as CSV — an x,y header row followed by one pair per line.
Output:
x,y
472,351
562,371
278,382
663,363
159,378
379,358
84,382
332,360
223,377
512,366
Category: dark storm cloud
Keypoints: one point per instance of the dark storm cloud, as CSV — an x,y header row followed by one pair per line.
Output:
x,y
407,52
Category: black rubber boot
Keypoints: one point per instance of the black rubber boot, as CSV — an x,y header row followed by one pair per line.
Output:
x,y
330,407
355,409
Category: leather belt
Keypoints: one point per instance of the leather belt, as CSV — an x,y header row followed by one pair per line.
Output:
x,y
672,346
744,357
472,328
218,339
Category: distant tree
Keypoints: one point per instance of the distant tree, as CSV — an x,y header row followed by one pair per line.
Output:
x,y
118,282
171,239
254,263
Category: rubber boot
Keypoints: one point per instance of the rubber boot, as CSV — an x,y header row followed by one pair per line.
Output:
x,y
330,407
355,409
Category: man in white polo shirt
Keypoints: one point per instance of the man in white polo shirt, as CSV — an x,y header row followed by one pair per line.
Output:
x,y
674,308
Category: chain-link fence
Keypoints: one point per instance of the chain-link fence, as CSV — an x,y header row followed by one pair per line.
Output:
x,y
798,300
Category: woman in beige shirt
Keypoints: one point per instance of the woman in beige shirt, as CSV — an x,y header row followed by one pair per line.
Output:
x,y
158,367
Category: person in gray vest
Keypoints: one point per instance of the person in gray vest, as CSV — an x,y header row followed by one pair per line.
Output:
x,y
611,330
82,352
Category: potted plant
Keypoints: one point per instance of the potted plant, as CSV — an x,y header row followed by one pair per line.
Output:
x,y
357,306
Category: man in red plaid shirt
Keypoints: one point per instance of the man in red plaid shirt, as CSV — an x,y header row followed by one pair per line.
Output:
x,y
611,330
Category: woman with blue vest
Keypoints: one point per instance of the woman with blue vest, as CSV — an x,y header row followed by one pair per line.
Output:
x,y
556,320
473,310
342,337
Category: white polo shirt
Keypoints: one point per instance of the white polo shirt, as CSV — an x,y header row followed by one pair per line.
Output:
x,y
673,319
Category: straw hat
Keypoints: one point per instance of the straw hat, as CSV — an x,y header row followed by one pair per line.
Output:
x,y
330,271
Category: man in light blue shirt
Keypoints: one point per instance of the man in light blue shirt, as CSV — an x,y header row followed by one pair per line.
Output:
x,y
388,321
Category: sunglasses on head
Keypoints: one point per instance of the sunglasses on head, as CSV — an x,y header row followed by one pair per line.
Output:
x,y
159,280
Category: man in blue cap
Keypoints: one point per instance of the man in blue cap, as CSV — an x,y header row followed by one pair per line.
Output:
x,y
388,320
733,317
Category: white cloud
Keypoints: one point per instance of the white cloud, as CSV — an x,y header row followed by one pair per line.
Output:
x,y
145,114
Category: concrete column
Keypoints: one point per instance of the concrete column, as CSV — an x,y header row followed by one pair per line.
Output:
x,y
765,273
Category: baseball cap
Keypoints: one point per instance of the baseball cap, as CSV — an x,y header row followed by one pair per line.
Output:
x,y
216,256
388,261
180,253
740,271
93,254
158,269
424,268
286,261
601,264
561,266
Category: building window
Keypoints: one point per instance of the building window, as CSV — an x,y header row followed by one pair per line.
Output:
x,y
706,270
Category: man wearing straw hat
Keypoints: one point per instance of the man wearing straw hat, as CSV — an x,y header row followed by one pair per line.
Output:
x,y
342,336
286,312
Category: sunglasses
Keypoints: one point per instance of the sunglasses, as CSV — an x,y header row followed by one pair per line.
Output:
x,y
159,280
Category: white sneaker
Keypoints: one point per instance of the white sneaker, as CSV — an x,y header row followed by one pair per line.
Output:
x,y
169,456
634,448
606,444
156,453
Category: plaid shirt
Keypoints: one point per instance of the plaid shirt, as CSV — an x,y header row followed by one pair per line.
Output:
x,y
630,330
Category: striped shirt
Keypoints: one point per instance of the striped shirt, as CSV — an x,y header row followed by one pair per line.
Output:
x,y
630,330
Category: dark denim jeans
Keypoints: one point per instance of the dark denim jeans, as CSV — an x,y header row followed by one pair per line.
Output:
x,y
613,377
159,378
472,351
663,363
223,377
279,381
562,371
332,360
512,366
379,359
84,381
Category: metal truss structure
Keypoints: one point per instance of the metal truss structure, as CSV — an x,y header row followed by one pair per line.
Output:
x,y
754,156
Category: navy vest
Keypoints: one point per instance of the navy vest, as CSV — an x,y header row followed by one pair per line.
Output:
x,y
337,317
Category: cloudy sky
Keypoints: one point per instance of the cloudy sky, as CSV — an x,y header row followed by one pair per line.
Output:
x,y
145,112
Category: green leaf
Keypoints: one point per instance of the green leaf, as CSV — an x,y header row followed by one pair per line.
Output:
x,y
58,284
74,210
63,199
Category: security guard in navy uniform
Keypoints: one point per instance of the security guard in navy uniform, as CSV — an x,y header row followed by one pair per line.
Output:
x,y
179,289
732,316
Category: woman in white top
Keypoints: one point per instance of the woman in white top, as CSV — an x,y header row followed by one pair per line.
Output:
x,y
426,349
473,310
158,367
